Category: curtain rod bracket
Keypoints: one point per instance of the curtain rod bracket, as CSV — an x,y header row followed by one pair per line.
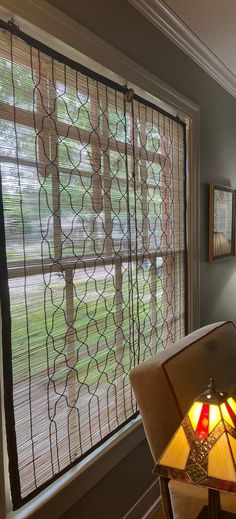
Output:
x,y
129,94
178,119
12,26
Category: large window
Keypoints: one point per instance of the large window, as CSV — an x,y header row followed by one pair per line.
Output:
x,y
93,204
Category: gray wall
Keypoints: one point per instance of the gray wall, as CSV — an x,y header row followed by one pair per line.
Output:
x,y
122,26
117,492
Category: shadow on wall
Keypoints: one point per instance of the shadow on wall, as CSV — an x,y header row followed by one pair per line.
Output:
x,y
218,293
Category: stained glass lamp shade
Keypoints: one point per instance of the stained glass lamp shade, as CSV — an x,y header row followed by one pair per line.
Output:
x,y
203,449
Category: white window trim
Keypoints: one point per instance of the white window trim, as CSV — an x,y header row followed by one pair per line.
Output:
x,y
58,31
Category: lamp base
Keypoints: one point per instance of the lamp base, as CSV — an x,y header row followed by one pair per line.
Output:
x,y
223,515
213,504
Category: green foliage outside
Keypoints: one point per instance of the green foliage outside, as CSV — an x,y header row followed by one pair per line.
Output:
x,y
29,191
94,325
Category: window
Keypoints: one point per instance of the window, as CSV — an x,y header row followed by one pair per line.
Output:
x,y
93,199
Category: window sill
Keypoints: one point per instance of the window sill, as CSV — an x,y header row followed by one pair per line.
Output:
x,y
69,488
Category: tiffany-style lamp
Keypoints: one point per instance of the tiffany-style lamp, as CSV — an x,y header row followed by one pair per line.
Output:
x,y
203,449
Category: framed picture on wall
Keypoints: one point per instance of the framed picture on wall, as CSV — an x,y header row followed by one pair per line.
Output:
x,y
221,222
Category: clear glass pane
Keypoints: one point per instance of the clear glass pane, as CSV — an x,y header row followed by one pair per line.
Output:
x,y
74,155
17,135
21,77
73,107
27,201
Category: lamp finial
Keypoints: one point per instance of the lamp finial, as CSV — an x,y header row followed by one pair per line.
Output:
x,y
212,385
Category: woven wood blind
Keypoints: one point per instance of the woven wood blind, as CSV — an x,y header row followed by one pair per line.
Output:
x,y
93,205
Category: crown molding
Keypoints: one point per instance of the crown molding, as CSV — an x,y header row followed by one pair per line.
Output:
x,y
65,35
158,13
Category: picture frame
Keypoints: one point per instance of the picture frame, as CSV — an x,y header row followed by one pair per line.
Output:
x,y
221,222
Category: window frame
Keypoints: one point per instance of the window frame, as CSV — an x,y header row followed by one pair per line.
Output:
x,y
37,23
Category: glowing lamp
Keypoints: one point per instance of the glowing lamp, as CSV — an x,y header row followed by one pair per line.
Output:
x,y
203,449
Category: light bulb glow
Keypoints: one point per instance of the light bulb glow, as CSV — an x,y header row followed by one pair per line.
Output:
x,y
194,414
232,404
226,414
215,417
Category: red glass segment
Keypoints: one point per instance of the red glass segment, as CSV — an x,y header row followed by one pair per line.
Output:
x,y
203,422
231,413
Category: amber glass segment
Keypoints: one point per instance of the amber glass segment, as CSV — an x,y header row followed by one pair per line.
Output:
x,y
177,452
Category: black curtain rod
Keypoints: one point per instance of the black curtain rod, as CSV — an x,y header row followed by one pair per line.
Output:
x,y
14,29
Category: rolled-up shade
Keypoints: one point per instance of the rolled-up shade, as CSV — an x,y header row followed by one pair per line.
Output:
x,y
93,205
